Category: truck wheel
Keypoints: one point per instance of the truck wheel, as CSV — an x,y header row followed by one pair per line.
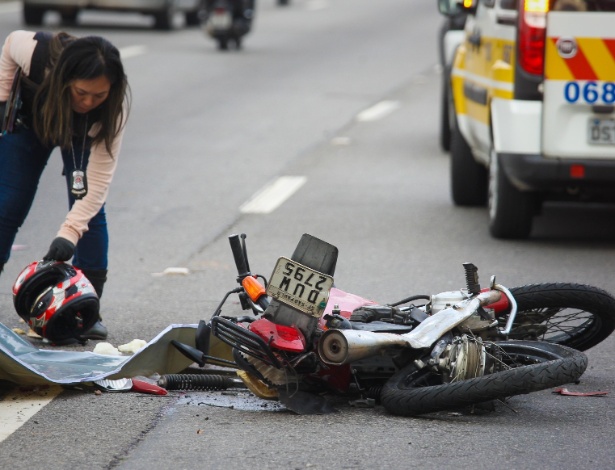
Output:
x,y
445,112
33,15
468,177
510,211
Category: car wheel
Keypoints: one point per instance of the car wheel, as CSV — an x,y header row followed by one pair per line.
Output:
x,y
33,15
69,17
468,177
510,211
193,18
163,19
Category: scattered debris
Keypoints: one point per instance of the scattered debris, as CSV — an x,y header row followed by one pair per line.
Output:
x,y
566,392
173,271
117,385
363,403
132,347
341,141
106,349
33,334
30,333
141,385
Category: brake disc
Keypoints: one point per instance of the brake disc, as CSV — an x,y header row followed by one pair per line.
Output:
x,y
464,359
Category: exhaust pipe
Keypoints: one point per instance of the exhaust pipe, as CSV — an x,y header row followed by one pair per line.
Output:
x,y
339,347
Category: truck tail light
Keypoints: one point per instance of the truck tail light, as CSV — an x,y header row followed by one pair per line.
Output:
x,y
532,32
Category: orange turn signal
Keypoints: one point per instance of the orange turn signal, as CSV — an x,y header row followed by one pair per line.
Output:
x,y
253,288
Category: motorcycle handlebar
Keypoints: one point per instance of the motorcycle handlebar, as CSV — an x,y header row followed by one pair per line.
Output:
x,y
239,256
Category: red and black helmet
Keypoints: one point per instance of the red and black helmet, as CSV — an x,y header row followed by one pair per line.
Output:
x,y
56,300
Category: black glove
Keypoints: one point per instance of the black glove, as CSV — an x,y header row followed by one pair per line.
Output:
x,y
60,250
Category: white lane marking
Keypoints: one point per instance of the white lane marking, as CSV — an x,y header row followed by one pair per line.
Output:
x,y
17,407
9,7
273,195
132,51
378,111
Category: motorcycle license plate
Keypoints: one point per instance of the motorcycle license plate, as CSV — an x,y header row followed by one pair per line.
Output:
x,y
601,131
220,20
299,287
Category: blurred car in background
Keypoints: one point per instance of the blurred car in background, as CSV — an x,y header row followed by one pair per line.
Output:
x,y
163,11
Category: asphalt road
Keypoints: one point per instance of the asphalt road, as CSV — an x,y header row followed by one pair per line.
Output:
x,y
208,130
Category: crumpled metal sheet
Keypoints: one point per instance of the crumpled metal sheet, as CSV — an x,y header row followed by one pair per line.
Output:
x,y
24,364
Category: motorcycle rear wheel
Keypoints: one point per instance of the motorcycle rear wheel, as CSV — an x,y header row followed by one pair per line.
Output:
x,y
574,315
530,366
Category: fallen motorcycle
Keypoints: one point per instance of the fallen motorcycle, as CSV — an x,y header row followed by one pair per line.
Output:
x,y
422,354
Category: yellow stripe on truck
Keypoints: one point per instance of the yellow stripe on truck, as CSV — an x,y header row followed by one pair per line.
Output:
x,y
497,82
457,81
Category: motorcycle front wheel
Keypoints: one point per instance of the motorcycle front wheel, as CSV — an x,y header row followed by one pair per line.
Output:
x,y
574,315
525,366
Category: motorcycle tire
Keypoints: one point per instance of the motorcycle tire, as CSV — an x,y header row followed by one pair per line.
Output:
x,y
574,315
534,366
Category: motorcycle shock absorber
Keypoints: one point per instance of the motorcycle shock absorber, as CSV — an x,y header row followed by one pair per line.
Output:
x,y
472,278
196,382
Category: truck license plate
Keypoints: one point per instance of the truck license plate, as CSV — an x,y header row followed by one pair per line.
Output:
x,y
300,287
601,131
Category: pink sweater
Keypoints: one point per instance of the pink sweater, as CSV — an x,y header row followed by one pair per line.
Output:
x,y
17,52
